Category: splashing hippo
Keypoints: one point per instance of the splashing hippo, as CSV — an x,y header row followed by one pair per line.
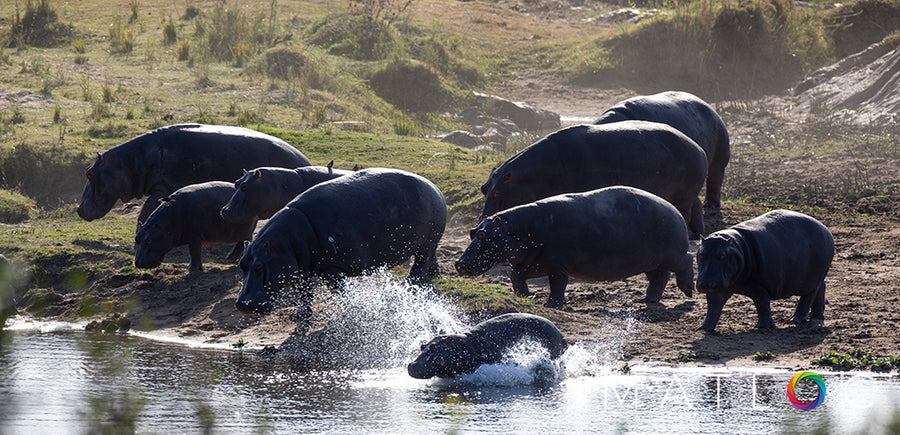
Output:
x,y
774,256
190,217
263,191
344,227
646,155
451,355
602,235
164,160
689,115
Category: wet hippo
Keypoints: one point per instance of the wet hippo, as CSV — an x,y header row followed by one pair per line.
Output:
x,y
344,227
650,156
190,216
263,191
601,235
774,256
689,115
451,355
164,160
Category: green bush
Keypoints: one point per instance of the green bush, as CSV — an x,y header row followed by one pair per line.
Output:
x,y
15,207
39,27
854,26
353,35
410,85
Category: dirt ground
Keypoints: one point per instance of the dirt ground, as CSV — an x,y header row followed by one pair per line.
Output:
x,y
863,302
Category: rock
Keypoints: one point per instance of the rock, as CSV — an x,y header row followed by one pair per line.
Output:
x,y
462,138
523,115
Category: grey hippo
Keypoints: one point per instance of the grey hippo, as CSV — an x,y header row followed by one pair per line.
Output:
x,y
164,160
650,156
190,216
774,256
690,115
263,191
344,227
601,235
451,355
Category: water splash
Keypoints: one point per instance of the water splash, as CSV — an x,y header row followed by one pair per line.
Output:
x,y
526,363
378,321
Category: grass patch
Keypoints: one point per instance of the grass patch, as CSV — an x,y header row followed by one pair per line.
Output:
x,y
471,297
356,36
15,207
855,25
38,26
857,359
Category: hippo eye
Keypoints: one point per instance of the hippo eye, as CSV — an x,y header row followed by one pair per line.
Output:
x,y
720,256
243,187
481,235
90,175
258,266
148,242
422,348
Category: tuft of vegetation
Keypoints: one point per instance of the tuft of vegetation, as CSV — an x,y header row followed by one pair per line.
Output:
x,y
737,47
763,356
410,85
690,355
855,25
170,33
491,300
39,26
233,35
121,37
15,207
354,35
857,359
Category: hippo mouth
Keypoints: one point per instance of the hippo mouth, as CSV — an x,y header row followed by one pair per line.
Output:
x,y
419,370
93,207
468,269
143,263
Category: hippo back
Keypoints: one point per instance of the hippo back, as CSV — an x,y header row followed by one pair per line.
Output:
x,y
364,212
651,156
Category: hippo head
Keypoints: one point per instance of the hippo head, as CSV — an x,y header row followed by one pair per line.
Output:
x,y
253,196
491,244
505,189
719,261
153,239
445,356
107,180
268,264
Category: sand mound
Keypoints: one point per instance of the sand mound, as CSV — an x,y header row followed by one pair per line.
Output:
x,y
861,88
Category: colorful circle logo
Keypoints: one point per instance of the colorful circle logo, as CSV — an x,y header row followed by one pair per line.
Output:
x,y
799,404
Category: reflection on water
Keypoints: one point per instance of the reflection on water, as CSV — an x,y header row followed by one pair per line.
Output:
x,y
68,381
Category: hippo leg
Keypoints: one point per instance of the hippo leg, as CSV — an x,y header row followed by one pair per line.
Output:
x,y
302,316
714,304
695,225
236,252
424,264
818,304
196,264
658,279
558,283
518,277
801,313
763,311
684,275
149,205
714,178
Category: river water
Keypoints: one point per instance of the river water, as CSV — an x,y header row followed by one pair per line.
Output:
x,y
56,378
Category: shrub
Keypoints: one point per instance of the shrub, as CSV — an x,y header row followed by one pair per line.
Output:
x,y
169,32
39,27
854,26
121,38
410,85
15,207
353,35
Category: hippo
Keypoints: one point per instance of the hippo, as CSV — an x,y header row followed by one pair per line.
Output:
x,y
690,115
164,160
600,235
650,156
263,191
190,216
774,256
344,227
451,355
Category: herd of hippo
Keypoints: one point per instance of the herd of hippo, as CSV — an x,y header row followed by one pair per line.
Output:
x,y
599,202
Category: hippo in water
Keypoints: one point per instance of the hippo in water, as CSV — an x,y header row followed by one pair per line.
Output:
x,y
448,356
263,191
774,256
689,115
602,235
344,227
650,156
190,216
164,160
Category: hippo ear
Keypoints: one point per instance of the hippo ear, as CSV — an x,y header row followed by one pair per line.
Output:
x,y
99,158
329,165
355,168
256,174
245,172
499,224
165,199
